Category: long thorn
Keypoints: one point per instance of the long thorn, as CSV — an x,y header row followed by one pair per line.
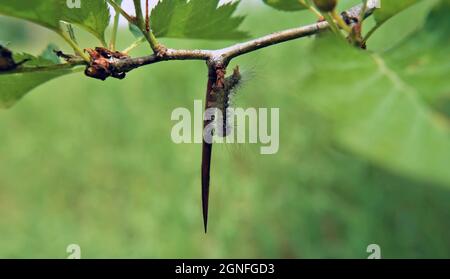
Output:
x,y
206,168
207,150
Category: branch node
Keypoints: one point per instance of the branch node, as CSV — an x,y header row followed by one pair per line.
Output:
x,y
160,50
102,63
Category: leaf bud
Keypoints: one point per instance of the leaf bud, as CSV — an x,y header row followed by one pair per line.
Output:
x,y
326,6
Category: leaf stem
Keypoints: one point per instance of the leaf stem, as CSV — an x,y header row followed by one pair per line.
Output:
x,y
340,22
112,44
119,10
332,24
311,8
371,32
140,23
363,11
74,45
134,45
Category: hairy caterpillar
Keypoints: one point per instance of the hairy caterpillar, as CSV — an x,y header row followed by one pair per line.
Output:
x,y
222,95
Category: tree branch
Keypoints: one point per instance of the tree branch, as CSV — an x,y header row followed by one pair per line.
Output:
x,y
215,57
272,39
126,65
292,34
225,55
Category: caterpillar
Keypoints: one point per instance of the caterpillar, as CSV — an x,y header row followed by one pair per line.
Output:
x,y
222,98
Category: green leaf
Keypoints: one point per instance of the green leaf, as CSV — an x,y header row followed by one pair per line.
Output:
x,y
92,15
15,85
389,34
390,8
377,114
135,30
423,60
44,13
197,19
285,5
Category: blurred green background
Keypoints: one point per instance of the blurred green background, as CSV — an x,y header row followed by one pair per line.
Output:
x,y
92,163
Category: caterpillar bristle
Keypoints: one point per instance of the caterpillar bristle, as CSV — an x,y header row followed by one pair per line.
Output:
x,y
224,101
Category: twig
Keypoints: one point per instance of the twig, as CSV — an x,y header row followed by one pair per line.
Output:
x,y
225,55
126,65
